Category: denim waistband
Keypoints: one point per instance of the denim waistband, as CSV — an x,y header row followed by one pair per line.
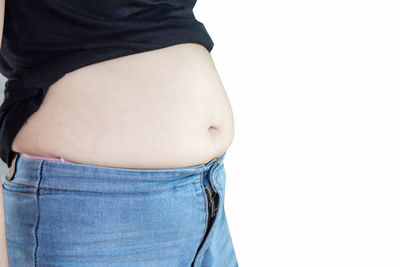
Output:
x,y
54,175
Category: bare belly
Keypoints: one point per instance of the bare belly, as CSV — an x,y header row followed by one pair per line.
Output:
x,y
165,108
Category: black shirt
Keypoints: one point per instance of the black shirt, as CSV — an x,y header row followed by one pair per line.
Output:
x,y
45,39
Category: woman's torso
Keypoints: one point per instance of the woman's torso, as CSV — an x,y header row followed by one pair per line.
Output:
x,y
165,108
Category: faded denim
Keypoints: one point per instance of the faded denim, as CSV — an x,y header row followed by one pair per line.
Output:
x,y
67,214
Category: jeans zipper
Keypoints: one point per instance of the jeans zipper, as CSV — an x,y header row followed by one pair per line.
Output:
x,y
210,194
211,203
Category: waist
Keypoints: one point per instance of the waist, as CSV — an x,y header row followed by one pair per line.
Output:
x,y
158,109
81,177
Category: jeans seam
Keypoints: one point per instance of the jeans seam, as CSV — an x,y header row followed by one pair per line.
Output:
x,y
22,192
95,192
205,207
16,187
38,213
206,219
217,181
24,185
210,235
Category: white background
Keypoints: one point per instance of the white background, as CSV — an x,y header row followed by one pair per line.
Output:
x,y
313,171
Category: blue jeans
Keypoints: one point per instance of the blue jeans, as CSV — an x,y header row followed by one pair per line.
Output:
x,y
69,214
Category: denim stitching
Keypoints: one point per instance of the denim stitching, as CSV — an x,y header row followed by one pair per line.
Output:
x,y
206,212
94,192
217,181
205,206
200,256
38,211
211,233
17,191
23,185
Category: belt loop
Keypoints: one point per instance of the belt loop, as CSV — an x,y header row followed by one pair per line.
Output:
x,y
11,170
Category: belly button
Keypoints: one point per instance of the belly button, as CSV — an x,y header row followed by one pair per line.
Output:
x,y
212,128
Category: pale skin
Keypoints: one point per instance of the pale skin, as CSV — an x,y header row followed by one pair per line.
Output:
x,y
165,108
